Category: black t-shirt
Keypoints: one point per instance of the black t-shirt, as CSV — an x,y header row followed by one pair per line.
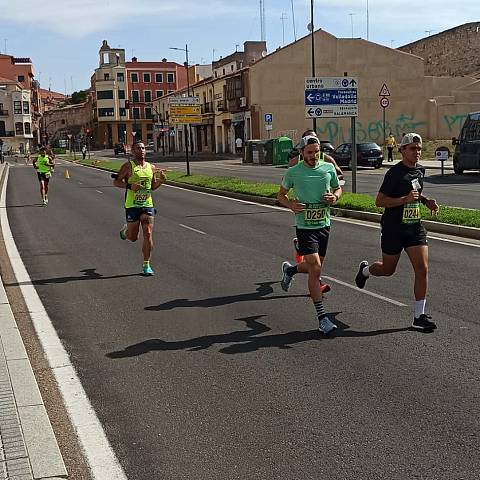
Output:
x,y
398,183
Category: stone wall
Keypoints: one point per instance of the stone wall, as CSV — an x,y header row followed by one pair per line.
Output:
x,y
453,52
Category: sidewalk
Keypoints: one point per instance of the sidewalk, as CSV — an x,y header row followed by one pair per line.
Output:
x,y
28,447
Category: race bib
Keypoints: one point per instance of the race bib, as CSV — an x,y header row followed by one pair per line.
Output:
x,y
315,213
48,175
141,196
411,213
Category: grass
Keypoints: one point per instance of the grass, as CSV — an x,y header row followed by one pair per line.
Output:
x,y
352,201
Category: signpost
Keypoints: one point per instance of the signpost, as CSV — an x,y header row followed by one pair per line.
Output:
x,y
334,97
268,117
384,103
442,154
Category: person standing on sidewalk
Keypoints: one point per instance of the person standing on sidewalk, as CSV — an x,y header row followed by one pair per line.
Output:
x,y
43,166
316,188
391,144
138,177
402,229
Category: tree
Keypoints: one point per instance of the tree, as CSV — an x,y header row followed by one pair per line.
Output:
x,y
78,97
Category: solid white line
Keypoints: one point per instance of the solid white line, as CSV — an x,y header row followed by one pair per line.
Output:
x,y
80,183
367,292
192,229
98,452
98,191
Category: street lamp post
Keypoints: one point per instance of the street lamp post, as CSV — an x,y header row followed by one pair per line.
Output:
x,y
186,129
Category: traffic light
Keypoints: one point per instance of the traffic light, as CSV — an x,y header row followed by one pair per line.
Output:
x,y
87,131
127,104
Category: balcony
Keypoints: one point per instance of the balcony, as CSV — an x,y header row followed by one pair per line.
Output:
x,y
3,113
207,108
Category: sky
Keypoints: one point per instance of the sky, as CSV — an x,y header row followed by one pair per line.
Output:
x,y
62,37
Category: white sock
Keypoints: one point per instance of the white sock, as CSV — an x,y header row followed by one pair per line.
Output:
x,y
366,271
419,307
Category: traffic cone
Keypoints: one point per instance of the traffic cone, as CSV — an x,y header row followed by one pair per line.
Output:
x,y
66,175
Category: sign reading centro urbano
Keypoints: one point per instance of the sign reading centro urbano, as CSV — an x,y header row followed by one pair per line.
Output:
x,y
185,110
328,97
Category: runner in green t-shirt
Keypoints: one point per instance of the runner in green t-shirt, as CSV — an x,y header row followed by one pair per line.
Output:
x,y
138,177
315,185
43,166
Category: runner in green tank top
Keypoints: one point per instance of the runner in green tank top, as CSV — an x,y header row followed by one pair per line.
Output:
x,y
43,166
138,177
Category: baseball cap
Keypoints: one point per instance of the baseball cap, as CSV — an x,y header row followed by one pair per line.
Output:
x,y
409,138
308,140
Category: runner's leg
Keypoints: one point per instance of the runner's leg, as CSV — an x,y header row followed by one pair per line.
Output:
x,y
132,231
147,227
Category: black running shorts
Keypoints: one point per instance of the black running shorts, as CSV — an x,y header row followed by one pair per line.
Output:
x,y
398,237
313,240
43,176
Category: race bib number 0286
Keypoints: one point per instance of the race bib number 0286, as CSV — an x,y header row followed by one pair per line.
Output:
x,y
411,213
315,213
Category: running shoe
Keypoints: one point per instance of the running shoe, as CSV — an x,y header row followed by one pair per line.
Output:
x,y
423,323
361,279
46,200
123,232
147,270
286,278
326,326
324,287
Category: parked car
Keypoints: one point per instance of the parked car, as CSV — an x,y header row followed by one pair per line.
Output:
x,y
467,145
326,147
119,148
369,154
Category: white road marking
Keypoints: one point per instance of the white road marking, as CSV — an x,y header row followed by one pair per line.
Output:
x,y
99,191
80,183
98,452
192,229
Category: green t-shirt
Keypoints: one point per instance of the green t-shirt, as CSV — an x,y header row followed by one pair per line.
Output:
x,y
42,164
309,186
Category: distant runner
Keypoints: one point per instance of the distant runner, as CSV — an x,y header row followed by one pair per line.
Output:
x,y
43,166
402,229
138,177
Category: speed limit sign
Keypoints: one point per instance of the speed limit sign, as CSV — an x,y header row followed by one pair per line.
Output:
x,y
384,102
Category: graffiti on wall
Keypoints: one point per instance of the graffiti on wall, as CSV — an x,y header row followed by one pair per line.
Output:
x,y
372,131
454,122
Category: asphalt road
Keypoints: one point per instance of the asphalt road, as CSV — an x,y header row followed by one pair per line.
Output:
x,y
208,370
449,189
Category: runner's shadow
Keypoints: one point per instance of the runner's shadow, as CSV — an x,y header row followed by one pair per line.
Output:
x,y
24,206
264,288
88,274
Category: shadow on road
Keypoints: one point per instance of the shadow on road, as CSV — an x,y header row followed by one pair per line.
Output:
x,y
264,288
453,179
269,212
24,206
245,341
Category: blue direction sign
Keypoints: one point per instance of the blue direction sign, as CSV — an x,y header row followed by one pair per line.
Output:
x,y
345,96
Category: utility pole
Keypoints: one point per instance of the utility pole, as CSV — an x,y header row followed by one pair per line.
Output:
x,y
293,21
312,29
283,18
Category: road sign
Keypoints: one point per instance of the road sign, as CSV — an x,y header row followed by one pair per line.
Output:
x,y
69,135
185,119
384,92
268,118
184,101
384,102
179,110
268,126
327,97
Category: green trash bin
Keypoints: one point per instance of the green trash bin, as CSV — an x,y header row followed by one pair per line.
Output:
x,y
281,148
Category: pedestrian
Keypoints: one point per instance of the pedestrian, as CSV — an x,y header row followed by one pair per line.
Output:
x,y
391,144
139,179
84,151
402,229
44,167
316,188
238,145
27,157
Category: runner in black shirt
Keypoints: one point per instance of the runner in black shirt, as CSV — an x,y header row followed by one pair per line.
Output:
x,y
402,229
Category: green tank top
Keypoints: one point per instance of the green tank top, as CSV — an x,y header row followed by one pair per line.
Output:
x,y
42,164
144,176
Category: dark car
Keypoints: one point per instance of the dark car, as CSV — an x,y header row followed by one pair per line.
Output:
x,y
326,147
119,148
369,154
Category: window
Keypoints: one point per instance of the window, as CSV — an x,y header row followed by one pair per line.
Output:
x,y
134,77
26,108
159,93
105,95
123,112
170,77
159,77
19,128
149,126
21,78
223,71
120,77
170,91
136,112
146,78
148,112
135,96
17,107
231,67
121,94
28,129
147,95
106,76
106,112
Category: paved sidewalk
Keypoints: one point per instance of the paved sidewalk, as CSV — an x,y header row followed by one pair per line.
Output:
x,y
28,447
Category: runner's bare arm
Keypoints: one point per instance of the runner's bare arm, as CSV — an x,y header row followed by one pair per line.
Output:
x,y
159,177
384,201
331,160
123,174
294,205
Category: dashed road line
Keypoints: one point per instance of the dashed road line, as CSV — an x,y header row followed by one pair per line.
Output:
x,y
192,229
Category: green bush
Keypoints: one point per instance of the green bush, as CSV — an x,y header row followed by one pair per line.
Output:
x,y
58,150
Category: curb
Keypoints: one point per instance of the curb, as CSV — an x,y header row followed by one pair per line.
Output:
x,y
437,227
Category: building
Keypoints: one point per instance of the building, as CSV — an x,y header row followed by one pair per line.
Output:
x,y
453,52
50,99
15,116
147,81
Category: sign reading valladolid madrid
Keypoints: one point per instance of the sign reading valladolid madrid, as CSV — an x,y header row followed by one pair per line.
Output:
x,y
327,97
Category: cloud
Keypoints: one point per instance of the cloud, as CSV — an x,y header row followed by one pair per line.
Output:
x,y
79,18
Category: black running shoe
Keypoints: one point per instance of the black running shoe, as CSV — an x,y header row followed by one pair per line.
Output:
x,y
361,279
423,323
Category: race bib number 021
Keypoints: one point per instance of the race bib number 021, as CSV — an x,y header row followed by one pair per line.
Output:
x,y
315,213
411,213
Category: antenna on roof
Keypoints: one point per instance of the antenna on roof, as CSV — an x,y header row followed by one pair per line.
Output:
x,y
293,21
262,20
